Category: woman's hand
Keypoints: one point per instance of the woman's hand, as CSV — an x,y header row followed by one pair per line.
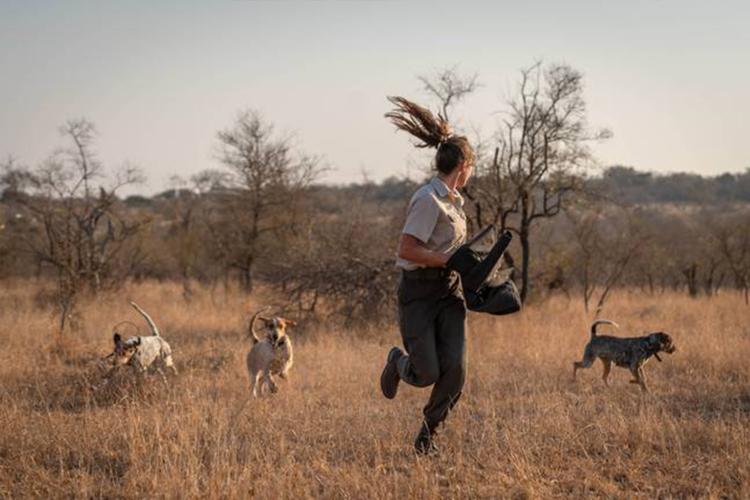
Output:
x,y
411,249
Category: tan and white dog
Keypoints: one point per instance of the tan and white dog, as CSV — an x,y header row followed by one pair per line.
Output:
x,y
271,353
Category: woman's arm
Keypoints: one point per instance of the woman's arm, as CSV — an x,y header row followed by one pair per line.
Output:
x,y
411,249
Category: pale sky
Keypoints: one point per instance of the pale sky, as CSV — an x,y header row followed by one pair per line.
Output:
x,y
671,79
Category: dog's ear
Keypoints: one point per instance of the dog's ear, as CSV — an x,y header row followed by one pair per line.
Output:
x,y
288,322
117,339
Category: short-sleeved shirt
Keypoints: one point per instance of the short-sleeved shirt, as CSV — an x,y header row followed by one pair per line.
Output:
x,y
436,218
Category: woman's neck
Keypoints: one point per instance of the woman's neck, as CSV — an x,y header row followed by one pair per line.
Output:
x,y
450,180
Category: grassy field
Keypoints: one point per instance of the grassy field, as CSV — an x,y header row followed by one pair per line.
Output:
x,y
523,429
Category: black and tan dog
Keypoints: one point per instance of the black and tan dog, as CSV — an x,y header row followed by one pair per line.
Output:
x,y
631,353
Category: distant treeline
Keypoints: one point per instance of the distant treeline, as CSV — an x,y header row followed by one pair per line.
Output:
x,y
618,183
628,185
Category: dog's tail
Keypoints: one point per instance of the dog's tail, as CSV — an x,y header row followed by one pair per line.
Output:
x,y
151,324
601,322
251,327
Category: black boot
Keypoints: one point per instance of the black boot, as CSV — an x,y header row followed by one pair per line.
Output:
x,y
424,444
389,379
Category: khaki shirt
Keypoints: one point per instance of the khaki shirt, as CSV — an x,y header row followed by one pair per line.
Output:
x,y
436,218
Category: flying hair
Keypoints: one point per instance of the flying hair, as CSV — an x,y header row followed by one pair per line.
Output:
x,y
420,122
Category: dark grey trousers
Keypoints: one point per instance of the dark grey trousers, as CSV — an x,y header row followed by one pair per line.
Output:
x,y
432,318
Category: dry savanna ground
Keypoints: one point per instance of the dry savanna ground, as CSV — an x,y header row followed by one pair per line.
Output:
x,y
523,428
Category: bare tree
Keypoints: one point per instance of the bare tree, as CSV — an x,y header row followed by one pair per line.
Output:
x,y
71,225
606,244
267,177
541,152
733,240
448,86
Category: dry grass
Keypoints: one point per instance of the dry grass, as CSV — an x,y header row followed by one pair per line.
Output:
x,y
523,429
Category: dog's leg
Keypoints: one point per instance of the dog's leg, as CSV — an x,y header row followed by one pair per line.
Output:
x,y
634,371
587,361
642,378
263,387
269,381
169,363
163,377
254,383
605,376
639,377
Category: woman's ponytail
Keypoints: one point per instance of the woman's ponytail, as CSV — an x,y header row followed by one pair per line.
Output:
x,y
432,132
